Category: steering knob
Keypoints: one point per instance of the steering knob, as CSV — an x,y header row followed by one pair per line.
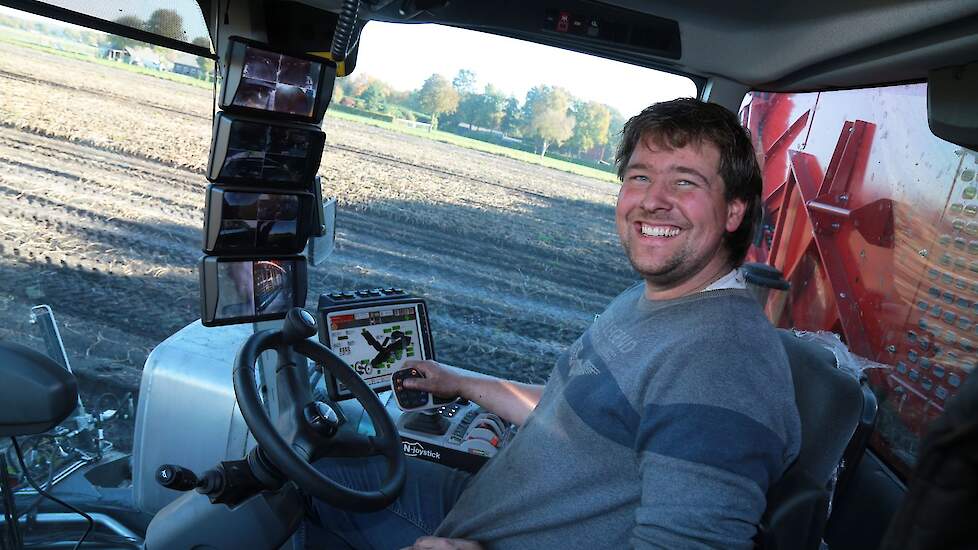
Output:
x,y
322,418
299,325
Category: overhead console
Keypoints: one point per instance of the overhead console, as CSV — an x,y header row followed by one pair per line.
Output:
x,y
376,331
591,27
603,24
265,201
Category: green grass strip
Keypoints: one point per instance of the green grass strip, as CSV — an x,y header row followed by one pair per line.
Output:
x,y
469,143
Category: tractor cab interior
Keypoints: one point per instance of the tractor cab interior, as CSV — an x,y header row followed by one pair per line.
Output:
x,y
865,128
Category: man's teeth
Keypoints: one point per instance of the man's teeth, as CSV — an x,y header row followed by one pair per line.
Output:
x,y
657,231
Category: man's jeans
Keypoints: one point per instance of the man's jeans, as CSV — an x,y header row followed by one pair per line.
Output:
x,y
430,491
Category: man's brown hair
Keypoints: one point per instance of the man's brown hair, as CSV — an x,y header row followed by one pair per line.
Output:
x,y
681,122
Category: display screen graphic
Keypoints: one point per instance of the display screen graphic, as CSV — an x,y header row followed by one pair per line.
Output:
x,y
261,221
279,83
254,288
376,341
264,152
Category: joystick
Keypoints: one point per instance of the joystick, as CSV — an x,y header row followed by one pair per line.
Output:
x,y
409,400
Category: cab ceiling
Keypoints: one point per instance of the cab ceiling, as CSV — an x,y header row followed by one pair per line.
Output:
x,y
765,44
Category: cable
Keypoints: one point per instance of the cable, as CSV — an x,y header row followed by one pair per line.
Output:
x,y
9,510
27,476
346,27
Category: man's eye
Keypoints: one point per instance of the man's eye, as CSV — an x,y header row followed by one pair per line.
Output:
x,y
639,178
684,183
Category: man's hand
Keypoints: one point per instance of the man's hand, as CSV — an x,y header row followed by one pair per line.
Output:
x,y
438,543
510,400
438,380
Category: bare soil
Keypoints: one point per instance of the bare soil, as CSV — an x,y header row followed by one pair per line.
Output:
x,y
101,208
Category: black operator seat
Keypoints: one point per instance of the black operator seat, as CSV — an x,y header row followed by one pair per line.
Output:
x,y
838,413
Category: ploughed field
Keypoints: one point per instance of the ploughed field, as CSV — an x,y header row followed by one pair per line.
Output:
x,y
101,209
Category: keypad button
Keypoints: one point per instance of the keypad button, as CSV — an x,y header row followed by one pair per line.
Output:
x,y
941,392
954,380
914,375
912,356
938,371
926,383
901,367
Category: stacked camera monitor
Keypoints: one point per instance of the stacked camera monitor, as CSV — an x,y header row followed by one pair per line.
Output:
x,y
264,201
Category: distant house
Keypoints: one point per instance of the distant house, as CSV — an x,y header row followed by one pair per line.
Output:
x,y
144,57
112,54
186,64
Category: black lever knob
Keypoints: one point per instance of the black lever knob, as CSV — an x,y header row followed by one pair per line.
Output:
x,y
299,325
176,477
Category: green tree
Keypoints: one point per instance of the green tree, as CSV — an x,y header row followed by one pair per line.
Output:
x,y
591,126
437,96
166,22
120,43
485,110
91,38
464,82
338,93
615,124
206,65
375,96
546,116
512,120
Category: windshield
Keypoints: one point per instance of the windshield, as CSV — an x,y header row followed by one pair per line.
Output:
x,y
487,192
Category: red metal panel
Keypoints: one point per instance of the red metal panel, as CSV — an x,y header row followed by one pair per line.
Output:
x,y
875,223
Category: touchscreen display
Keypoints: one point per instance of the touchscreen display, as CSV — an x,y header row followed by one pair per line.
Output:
x,y
279,83
251,222
376,341
254,288
246,151
264,152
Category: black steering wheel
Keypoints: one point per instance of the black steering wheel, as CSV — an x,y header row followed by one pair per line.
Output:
x,y
303,430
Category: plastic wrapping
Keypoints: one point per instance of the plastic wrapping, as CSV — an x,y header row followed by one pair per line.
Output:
x,y
845,360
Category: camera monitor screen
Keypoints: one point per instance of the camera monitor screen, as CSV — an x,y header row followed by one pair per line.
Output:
x,y
293,86
241,290
253,152
376,340
250,222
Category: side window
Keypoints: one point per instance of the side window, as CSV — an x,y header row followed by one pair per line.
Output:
x,y
874,221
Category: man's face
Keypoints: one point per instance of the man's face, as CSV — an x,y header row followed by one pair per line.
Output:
x,y
672,217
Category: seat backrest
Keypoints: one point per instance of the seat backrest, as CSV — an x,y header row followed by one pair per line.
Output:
x,y
837,413
941,505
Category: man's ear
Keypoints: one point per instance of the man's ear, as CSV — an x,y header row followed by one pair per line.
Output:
x,y
735,214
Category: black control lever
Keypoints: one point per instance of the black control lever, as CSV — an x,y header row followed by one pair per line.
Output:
x,y
299,324
176,477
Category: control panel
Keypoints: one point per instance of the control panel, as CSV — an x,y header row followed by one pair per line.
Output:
x,y
375,331
460,434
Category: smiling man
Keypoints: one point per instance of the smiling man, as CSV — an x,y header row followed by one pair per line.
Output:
x,y
666,422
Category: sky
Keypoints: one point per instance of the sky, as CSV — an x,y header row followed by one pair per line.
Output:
x,y
405,55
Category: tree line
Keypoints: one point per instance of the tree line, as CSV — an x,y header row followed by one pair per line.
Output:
x,y
163,22
549,118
